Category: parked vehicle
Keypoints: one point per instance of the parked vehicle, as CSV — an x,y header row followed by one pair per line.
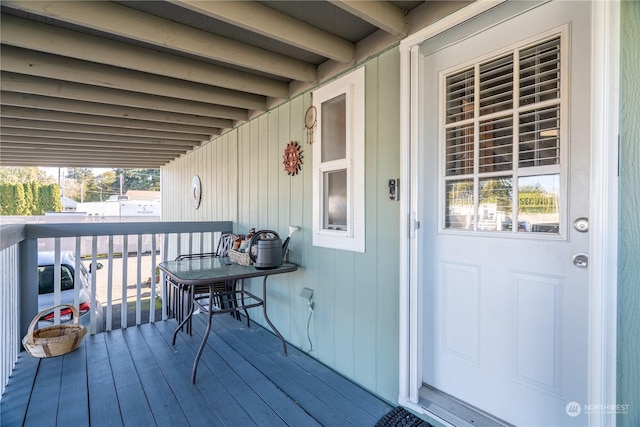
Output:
x,y
46,263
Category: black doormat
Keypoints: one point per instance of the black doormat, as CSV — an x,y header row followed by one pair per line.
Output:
x,y
400,417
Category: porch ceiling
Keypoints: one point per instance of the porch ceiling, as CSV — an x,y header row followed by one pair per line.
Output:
x,y
137,84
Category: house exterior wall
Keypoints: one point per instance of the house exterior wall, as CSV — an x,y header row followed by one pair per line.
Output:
x,y
629,247
354,328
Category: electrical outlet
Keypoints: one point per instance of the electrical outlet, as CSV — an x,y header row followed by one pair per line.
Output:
x,y
307,293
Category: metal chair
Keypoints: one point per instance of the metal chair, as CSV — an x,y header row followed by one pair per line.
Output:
x,y
181,297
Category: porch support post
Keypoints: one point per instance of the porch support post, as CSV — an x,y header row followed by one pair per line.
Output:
x,y
27,283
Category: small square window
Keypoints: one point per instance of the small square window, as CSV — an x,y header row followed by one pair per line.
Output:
x,y
334,129
335,200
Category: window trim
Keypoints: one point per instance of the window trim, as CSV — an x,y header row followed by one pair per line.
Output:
x,y
353,238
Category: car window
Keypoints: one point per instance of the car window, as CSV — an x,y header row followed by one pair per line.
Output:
x,y
45,279
85,274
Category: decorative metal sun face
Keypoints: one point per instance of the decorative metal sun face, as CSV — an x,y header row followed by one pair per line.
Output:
x,y
292,158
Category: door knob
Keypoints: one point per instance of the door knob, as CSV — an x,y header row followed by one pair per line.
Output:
x,y
581,260
581,224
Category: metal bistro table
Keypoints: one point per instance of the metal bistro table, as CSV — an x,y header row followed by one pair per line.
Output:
x,y
189,273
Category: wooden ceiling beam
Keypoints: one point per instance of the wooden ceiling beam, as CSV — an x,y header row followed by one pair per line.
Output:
x,y
33,63
91,162
48,133
382,14
88,119
268,22
79,154
13,82
112,111
68,151
82,160
96,142
38,127
129,23
123,154
59,41
75,145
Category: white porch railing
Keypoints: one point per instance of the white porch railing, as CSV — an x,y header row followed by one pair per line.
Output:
x,y
126,244
9,314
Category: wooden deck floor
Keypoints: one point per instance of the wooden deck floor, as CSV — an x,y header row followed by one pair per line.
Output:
x,y
134,377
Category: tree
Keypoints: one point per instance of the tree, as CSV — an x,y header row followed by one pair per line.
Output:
x,y
6,202
106,184
49,198
83,179
136,179
22,175
29,202
36,209
12,199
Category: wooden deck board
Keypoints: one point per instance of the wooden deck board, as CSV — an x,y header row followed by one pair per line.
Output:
x,y
134,377
196,407
134,407
73,390
270,401
104,409
15,400
228,410
47,384
164,404
230,380
339,399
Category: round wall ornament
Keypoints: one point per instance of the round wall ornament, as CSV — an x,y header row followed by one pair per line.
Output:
x,y
196,192
310,122
292,158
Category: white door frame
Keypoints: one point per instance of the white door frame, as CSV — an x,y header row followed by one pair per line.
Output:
x,y
603,218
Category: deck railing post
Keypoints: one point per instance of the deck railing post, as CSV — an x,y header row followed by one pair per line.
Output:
x,y
28,273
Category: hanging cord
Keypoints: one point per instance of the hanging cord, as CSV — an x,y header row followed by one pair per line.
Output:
x,y
308,323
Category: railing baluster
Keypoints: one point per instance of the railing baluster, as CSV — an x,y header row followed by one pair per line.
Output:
x,y
139,282
109,322
76,274
123,305
94,274
163,288
152,281
57,276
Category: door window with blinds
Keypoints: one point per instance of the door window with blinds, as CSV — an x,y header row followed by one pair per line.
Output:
x,y
502,132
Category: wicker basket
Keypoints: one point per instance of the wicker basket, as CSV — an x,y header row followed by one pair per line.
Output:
x,y
241,258
53,340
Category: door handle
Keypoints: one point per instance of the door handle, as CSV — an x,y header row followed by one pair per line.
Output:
x,y
581,260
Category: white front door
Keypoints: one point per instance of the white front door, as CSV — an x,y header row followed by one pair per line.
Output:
x,y
505,164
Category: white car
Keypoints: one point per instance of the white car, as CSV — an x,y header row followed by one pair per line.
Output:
x,y
46,263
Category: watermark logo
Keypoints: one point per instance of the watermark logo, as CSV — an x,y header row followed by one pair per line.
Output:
x,y
573,409
601,408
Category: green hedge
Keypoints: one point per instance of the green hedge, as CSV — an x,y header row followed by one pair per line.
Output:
x,y
29,199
